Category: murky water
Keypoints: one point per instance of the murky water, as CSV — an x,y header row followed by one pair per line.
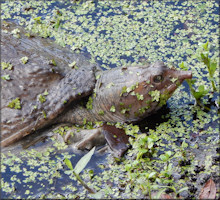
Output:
x,y
193,23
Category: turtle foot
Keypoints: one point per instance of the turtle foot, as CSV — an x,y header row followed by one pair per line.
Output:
x,y
82,139
117,139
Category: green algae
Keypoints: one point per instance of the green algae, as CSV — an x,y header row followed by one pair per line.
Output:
x,y
6,77
15,104
112,31
6,65
24,60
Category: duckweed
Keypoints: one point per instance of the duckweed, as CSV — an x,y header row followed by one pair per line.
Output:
x,y
118,33
24,60
6,65
15,103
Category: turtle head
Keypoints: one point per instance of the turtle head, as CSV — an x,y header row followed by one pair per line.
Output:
x,y
148,87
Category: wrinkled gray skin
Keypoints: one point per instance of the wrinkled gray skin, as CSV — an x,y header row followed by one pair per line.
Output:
x,y
66,86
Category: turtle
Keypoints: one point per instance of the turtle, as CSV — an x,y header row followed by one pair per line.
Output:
x,y
45,84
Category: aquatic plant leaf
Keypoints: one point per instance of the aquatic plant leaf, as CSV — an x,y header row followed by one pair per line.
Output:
x,y
6,77
6,65
84,161
68,163
159,194
15,103
24,59
205,46
213,67
97,195
152,174
201,92
205,59
183,67
182,189
208,191
189,51
164,157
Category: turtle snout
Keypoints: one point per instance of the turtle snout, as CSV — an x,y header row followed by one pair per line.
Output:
x,y
179,74
185,75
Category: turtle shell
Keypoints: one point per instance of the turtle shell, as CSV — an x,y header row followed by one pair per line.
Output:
x,y
38,83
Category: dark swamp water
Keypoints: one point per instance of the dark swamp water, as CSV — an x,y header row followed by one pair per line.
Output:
x,y
116,33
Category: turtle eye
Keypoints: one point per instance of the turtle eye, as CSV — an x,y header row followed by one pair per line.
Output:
x,y
158,79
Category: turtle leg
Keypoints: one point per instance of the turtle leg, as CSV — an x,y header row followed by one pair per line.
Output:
x,y
85,139
82,139
117,139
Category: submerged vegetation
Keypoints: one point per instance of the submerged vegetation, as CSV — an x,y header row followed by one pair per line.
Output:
x,y
211,65
178,152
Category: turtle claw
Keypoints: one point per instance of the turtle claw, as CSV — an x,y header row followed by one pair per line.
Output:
x,y
117,139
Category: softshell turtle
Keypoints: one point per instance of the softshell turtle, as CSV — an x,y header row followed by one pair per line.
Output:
x,y
40,89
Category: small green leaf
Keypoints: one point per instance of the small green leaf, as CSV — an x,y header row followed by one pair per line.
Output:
x,y
6,77
98,76
56,26
52,62
101,112
169,153
16,104
89,103
184,144
110,85
213,67
189,51
160,193
5,65
81,164
183,67
152,174
140,97
112,109
173,80
15,31
73,65
38,19
44,114
163,157
41,98
150,144
183,189
155,95
124,90
27,34
205,46
201,92
24,59
192,81
45,93
97,195
205,59
68,163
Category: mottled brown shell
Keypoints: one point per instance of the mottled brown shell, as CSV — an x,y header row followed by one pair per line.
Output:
x,y
28,81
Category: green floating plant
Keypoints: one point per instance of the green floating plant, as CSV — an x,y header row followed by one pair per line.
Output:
x,y
15,104
80,165
211,64
6,77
